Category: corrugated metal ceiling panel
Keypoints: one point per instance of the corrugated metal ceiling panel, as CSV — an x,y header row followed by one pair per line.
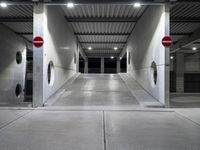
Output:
x,y
101,55
17,11
103,51
186,10
20,26
103,38
87,11
103,46
184,27
103,27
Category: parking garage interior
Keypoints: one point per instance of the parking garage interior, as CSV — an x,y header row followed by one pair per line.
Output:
x,y
101,78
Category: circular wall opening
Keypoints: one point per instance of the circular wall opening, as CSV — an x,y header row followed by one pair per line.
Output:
x,y
18,57
50,73
154,72
18,90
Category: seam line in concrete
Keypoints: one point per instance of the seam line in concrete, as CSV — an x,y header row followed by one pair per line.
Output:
x,y
9,123
104,131
123,110
186,118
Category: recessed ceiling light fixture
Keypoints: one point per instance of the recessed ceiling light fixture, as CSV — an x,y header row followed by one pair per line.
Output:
x,y
194,48
112,57
171,57
137,5
115,48
70,5
90,48
120,58
3,4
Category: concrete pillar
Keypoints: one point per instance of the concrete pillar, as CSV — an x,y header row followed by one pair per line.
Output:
x,y
102,65
38,56
118,66
180,66
77,58
86,66
167,59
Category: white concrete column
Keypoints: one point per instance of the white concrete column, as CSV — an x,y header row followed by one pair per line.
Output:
x,y
180,66
102,65
38,56
167,59
118,66
77,58
86,66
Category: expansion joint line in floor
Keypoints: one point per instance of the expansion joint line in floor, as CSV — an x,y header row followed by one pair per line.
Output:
x,y
104,131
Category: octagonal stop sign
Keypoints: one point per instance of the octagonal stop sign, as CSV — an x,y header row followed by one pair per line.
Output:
x,y
167,41
38,41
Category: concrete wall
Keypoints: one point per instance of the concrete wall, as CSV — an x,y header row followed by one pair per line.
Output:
x,y
11,73
144,46
60,47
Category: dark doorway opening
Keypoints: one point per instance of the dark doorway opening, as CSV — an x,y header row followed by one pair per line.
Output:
x,y
81,64
110,65
123,64
29,77
94,65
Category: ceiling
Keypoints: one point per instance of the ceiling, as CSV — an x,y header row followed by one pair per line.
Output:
x,y
105,26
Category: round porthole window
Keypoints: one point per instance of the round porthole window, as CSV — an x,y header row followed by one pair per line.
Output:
x,y
18,57
50,73
154,73
18,90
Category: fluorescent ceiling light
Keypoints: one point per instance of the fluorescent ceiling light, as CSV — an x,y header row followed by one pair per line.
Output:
x,y
3,4
194,48
115,48
171,57
111,57
137,5
70,5
90,48
120,58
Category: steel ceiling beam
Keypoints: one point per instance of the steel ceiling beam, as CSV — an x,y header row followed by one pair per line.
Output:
x,y
103,34
102,55
114,2
103,49
185,19
86,2
102,42
185,41
180,34
16,19
172,19
24,33
102,19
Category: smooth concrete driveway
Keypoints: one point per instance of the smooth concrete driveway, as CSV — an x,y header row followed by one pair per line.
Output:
x,y
97,90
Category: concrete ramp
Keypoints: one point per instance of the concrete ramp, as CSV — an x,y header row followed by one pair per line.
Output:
x,y
92,91
142,96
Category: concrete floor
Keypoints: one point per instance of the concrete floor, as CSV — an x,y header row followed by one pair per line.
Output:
x,y
185,100
97,91
116,121
98,130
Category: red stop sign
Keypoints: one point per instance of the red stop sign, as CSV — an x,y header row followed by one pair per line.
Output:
x,y
167,41
38,41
